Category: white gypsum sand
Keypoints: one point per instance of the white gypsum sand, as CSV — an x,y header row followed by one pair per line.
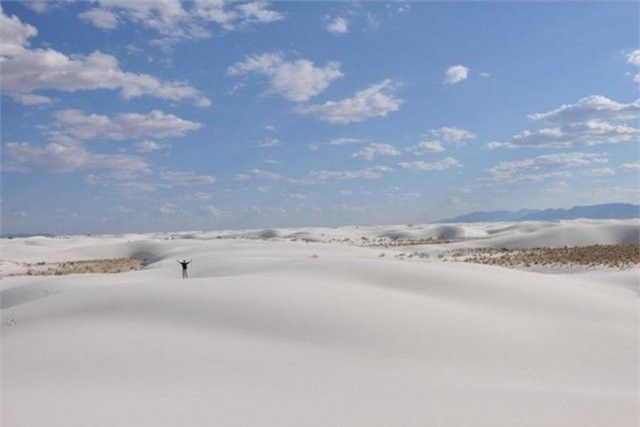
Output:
x,y
315,327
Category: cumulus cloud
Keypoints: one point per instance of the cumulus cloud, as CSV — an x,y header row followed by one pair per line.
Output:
x,y
14,35
456,74
453,134
27,70
374,150
426,147
147,146
633,58
591,108
338,26
296,80
101,18
54,157
439,165
233,15
543,167
444,135
49,69
590,121
76,125
168,17
375,101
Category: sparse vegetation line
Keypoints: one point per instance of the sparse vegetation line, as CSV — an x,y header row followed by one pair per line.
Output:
x,y
613,256
109,266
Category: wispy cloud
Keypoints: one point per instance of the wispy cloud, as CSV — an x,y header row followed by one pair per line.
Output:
x,y
439,165
77,125
269,143
374,150
186,178
321,176
453,134
543,167
591,121
257,174
54,157
376,101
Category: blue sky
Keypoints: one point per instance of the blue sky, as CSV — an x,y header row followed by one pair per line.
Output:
x,y
125,116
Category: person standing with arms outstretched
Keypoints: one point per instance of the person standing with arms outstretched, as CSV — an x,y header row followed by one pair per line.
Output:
x,y
184,264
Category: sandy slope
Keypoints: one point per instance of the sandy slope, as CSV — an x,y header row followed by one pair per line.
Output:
x,y
283,332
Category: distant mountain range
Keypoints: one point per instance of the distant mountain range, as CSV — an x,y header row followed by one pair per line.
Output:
x,y
605,211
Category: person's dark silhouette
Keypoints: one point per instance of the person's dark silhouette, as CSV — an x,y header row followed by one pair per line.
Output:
x,y
184,264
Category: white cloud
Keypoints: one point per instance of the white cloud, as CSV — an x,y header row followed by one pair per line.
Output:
x,y
200,196
426,147
168,209
321,176
257,12
295,196
101,18
234,15
38,6
168,17
269,143
591,108
296,80
213,211
14,35
590,121
257,174
456,74
633,57
27,70
630,167
147,146
452,134
186,178
30,99
449,135
534,169
80,126
375,101
338,26
345,141
54,157
49,69
439,165
600,172
337,142
374,150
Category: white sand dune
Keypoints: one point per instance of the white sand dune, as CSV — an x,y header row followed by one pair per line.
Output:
x,y
306,327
